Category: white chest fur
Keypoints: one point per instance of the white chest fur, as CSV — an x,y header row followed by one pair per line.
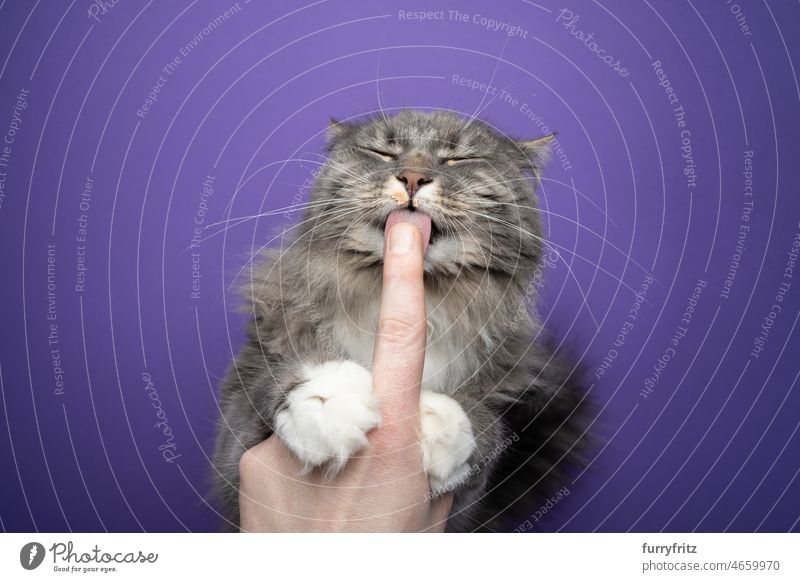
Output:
x,y
446,364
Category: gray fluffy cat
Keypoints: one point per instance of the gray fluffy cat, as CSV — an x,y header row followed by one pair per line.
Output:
x,y
505,410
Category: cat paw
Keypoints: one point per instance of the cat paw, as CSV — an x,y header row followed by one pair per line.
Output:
x,y
327,418
447,441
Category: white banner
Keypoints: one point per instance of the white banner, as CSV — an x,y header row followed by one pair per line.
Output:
x,y
412,557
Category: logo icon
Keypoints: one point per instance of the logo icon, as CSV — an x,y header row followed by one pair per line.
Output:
x,y
31,555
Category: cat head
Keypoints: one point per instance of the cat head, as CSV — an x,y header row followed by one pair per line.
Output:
x,y
476,184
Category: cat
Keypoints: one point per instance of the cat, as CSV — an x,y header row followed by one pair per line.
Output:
x,y
491,370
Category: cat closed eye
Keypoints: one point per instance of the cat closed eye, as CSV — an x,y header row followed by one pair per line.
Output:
x,y
454,161
385,156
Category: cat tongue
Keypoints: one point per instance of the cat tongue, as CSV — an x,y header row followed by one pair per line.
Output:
x,y
419,219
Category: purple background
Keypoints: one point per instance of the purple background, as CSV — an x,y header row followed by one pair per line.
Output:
x,y
714,447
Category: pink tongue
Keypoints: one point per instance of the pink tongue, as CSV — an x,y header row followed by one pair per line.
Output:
x,y
419,219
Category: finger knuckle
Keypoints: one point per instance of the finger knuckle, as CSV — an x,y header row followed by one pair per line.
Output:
x,y
397,331
393,442
248,463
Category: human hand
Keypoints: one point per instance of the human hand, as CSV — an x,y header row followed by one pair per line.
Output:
x,y
384,488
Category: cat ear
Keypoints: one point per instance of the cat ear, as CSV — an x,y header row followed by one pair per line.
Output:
x,y
537,151
337,129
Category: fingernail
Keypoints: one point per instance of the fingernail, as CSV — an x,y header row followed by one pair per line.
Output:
x,y
401,238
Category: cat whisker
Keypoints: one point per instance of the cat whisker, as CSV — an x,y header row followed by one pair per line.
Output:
x,y
326,161
554,248
543,179
451,224
241,220
285,250
465,228
378,87
491,82
274,211
570,220
496,258
301,161
491,257
558,255
362,178
337,214
240,186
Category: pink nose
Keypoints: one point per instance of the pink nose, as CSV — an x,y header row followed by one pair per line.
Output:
x,y
413,181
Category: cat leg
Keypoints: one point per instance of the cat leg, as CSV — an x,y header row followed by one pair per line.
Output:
x,y
457,437
325,420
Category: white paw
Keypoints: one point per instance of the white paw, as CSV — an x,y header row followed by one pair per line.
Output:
x,y
447,441
327,418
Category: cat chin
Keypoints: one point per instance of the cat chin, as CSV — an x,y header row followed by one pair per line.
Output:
x,y
448,255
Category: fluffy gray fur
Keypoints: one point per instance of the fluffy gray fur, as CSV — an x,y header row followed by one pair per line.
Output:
x,y
316,299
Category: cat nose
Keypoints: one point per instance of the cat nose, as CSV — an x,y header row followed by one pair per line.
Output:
x,y
413,181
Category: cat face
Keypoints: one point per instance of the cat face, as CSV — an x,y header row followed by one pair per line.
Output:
x,y
476,185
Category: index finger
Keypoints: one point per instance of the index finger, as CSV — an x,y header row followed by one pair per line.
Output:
x,y
400,345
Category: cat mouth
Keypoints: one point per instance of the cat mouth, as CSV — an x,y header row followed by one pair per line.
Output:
x,y
435,231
